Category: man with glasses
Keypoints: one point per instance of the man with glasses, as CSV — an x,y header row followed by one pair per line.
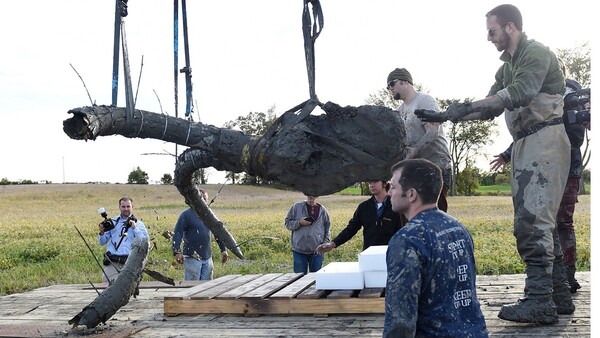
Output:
x,y
529,90
423,139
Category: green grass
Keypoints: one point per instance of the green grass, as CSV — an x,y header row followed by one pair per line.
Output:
x,y
40,245
504,189
498,188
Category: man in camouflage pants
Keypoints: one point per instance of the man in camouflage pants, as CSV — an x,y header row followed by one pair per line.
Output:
x,y
529,89
564,218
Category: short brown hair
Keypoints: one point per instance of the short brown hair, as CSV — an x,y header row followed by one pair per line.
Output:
x,y
422,175
507,13
125,198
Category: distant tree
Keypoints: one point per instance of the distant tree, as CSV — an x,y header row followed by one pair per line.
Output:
x,y
167,179
137,176
234,177
5,181
586,176
364,189
466,139
467,181
502,178
250,180
200,176
488,178
254,124
578,62
384,98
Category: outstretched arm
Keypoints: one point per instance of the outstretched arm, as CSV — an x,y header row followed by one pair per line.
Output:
x,y
485,109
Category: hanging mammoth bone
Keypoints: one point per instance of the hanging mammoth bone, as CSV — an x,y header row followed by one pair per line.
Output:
x,y
316,154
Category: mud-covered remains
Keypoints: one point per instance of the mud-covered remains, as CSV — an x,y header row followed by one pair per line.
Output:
x,y
319,155
315,154
118,293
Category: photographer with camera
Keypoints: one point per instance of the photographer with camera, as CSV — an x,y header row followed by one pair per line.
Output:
x,y
118,234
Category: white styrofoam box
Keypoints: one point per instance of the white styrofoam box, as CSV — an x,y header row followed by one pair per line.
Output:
x,y
375,279
340,276
373,258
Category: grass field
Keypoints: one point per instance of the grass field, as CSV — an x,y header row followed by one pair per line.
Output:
x,y
504,189
40,245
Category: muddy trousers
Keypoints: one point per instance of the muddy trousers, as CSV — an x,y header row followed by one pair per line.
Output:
x,y
539,175
564,221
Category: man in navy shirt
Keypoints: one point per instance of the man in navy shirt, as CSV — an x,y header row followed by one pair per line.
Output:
x,y
197,255
430,289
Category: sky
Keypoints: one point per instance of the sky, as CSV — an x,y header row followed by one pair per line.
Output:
x,y
246,56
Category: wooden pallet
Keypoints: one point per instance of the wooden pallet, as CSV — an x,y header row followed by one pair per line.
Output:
x,y
273,293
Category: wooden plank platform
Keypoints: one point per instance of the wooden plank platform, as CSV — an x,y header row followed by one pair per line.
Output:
x,y
272,294
45,312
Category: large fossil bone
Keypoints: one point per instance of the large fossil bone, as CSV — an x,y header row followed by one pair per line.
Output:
x,y
315,154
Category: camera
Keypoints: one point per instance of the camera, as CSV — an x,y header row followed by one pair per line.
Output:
x,y
108,223
130,218
575,111
126,225
577,117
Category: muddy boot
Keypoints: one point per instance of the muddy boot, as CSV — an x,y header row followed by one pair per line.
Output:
x,y
530,310
564,302
573,284
561,290
561,294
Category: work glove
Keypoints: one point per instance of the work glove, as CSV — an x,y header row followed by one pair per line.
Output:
x,y
457,110
427,115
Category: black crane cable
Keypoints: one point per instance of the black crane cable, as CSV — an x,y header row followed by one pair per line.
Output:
x,y
311,30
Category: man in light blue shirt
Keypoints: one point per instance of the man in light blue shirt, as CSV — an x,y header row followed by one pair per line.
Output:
x,y
119,239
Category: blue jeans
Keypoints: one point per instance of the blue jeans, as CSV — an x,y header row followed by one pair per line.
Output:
x,y
304,262
197,269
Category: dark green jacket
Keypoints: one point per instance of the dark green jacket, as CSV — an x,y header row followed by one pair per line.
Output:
x,y
533,69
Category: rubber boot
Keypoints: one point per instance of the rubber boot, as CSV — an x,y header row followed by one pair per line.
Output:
x,y
537,306
561,294
573,284
564,302
530,310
